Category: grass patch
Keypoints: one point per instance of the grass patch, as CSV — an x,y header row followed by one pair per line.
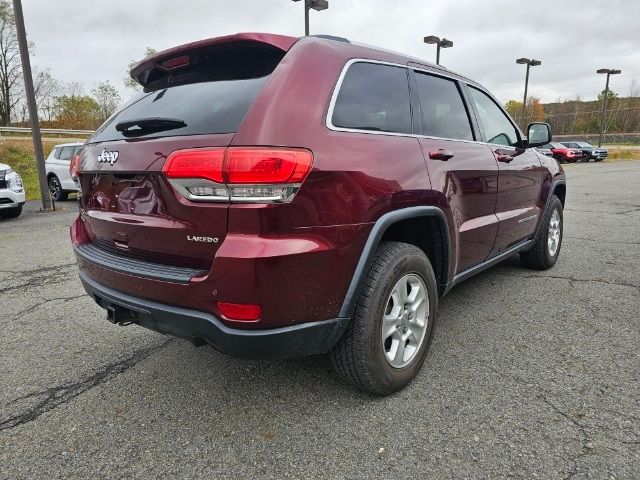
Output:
x,y
624,154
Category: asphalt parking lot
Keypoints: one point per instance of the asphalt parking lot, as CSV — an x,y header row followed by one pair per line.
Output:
x,y
530,374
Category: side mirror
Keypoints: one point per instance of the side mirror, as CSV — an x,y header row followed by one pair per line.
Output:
x,y
538,134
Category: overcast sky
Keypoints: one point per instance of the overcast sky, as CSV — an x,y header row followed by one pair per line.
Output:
x,y
93,40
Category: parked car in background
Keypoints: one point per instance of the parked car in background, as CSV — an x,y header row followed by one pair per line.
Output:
x,y
562,153
588,151
57,167
545,150
12,194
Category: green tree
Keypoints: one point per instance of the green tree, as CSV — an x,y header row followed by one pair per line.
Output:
x,y
107,98
611,96
130,82
78,112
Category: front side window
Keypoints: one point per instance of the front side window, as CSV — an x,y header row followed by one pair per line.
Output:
x,y
374,97
498,129
443,112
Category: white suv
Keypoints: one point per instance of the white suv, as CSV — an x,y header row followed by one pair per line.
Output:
x,y
11,192
57,167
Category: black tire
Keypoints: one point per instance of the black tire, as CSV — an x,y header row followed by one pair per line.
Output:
x,y
559,158
55,189
539,256
359,356
11,212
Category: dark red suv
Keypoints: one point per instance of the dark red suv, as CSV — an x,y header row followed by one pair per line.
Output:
x,y
276,197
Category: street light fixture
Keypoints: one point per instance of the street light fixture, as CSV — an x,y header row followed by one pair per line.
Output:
x,y
444,43
609,72
529,63
317,5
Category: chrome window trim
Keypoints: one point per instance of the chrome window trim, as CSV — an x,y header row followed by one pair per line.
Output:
x,y
334,96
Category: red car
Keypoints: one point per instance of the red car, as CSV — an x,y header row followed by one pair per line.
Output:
x,y
276,197
563,153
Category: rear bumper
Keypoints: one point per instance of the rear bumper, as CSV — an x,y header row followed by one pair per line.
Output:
x,y
285,342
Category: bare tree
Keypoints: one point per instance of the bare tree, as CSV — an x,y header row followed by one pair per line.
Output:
x,y
130,82
46,89
10,66
107,98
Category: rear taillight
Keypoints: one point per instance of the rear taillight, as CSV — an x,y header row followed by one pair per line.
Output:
x,y
74,166
78,232
244,312
238,174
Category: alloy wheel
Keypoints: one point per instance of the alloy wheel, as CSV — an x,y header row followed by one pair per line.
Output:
x,y
553,235
405,320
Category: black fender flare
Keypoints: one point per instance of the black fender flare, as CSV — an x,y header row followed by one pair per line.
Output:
x,y
379,227
557,180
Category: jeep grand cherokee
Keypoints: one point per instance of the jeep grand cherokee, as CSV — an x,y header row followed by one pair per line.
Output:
x,y
276,197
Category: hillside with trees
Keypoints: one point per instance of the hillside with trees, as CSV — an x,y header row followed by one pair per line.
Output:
x,y
579,117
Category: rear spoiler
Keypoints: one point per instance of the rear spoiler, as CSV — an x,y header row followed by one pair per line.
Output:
x,y
140,71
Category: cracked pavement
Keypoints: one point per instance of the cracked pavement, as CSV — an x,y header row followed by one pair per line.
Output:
x,y
530,374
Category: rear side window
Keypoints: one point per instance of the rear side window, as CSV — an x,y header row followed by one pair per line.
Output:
x,y
443,112
56,153
211,95
374,97
66,153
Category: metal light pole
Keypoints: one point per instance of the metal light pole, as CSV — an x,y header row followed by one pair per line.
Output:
x,y
317,5
444,43
609,72
31,103
529,64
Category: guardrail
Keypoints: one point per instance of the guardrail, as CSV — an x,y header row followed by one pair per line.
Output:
x,y
52,131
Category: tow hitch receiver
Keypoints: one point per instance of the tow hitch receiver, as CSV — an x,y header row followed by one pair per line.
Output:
x,y
121,316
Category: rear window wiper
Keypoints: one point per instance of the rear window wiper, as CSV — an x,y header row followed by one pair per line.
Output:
x,y
142,126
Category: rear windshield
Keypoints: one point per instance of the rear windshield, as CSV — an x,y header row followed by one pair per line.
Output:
x,y
212,96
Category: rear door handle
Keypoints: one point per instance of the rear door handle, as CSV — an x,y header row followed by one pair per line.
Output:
x,y
440,154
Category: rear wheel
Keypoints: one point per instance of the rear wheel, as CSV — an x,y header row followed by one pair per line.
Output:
x,y
387,341
55,189
544,253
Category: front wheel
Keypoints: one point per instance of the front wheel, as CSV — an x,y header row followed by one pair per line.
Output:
x,y
387,341
544,253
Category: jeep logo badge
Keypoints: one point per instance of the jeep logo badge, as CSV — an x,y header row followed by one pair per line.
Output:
x,y
107,156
